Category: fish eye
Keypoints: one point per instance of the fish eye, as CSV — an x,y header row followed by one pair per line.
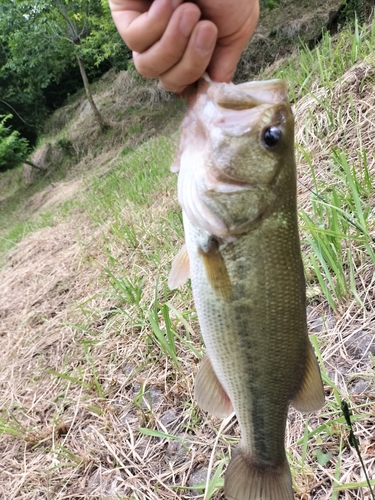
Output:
x,y
271,136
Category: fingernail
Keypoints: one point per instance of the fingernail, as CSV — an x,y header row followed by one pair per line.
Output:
x,y
187,22
205,39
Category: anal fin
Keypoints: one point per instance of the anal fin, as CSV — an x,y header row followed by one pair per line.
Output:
x,y
311,394
245,479
180,271
209,393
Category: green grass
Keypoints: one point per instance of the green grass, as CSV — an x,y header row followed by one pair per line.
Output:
x,y
323,65
134,179
17,218
71,153
11,426
337,227
20,230
139,238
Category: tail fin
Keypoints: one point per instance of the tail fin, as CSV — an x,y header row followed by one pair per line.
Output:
x,y
246,480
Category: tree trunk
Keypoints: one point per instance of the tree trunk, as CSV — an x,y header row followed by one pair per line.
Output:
x,y
39,167
98,116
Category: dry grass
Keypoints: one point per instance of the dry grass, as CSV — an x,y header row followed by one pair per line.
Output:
x,y
74,149
135,108
72,439
81,372
280,30
341,118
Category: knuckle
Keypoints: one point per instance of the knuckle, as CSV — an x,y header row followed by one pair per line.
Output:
x,y
172,53
174,83
131,41
170,85
144,68
134,41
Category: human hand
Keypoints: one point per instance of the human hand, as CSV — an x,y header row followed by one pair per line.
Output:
x,y
177,42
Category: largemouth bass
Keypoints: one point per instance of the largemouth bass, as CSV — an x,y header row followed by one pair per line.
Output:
x,y
237,189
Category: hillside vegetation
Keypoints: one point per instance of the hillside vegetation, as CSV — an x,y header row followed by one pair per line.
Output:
x,y
99,356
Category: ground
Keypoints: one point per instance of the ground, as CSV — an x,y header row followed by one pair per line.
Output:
x,y
99,356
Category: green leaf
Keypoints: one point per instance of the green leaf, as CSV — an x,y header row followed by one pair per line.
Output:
x,y
323,458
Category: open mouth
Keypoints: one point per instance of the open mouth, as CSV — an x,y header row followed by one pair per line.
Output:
x,y
248,95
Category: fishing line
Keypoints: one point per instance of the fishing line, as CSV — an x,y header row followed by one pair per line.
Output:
x,y
354,442
346,217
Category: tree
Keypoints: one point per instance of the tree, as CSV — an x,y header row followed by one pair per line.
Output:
x,y
41,41
75,29
29,62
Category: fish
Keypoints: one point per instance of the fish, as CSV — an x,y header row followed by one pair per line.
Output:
x,y
237,189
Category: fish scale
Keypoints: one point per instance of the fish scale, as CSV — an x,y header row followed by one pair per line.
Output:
x,y
243,256
261,317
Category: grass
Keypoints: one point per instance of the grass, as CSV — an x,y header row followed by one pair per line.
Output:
x,y
338,227
73,149
135,179
337,220
322,66
100,356
331,84
13,223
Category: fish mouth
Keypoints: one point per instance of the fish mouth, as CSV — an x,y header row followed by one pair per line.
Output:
x,y
222,117
237,112
248,95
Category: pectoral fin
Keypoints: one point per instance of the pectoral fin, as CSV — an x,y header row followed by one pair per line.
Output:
x,y
180,271
209,393
311,394
216,270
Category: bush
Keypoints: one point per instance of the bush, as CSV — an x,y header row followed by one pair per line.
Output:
x,y
13,147
269,4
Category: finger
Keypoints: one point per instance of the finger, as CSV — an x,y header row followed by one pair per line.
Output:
x,y
229,49
165,53
133,5
223,63
141,24
195,59
124,12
